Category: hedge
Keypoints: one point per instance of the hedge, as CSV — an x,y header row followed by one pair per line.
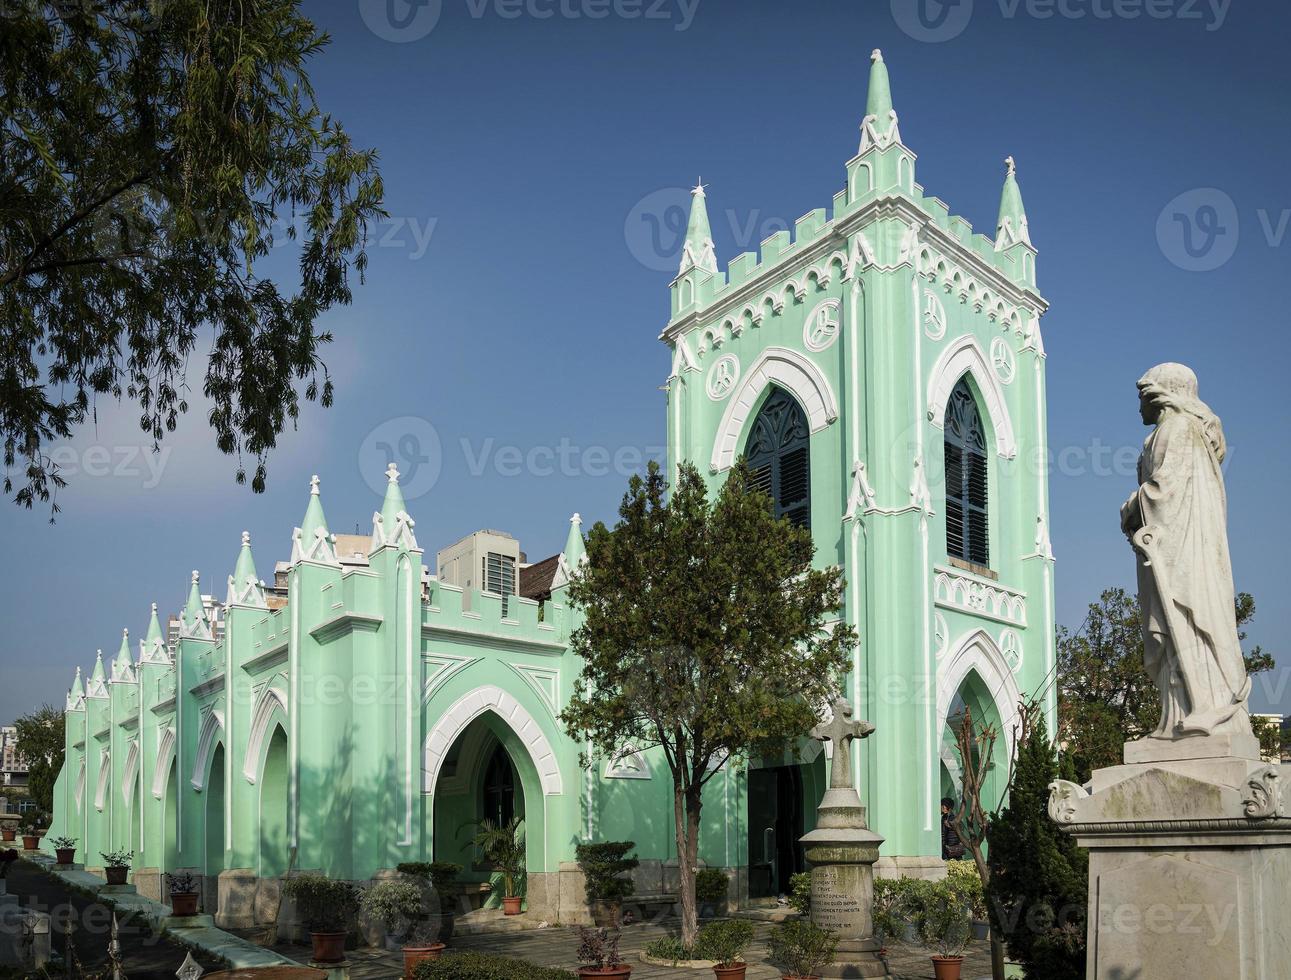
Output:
x,y
482,966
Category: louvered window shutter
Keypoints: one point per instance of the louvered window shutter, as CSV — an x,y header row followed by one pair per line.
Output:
x,y
967,491
779,457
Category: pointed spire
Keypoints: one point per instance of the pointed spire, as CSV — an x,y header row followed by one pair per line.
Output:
x,y
1011,227
245,587
392,525
192,621
698,251
78,688
879,101
96,688
393,504
98,673
154,629
153,648
312,540
575,549
123,663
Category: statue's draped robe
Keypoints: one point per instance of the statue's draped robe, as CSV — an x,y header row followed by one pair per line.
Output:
x,y
1191,647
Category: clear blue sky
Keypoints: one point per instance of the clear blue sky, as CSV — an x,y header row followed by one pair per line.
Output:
x,y
532,149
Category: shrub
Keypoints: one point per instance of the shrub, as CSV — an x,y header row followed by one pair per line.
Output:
x,y
963,878
669,948
724,941
603,865
63,843
393,903
1039,876
325,905
800,892
598,948
802,947
711,885
483,966
942,919
182,883
440,875
117,859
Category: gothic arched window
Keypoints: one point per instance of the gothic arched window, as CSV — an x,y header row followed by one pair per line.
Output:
x,y
778,457
499,789
966,487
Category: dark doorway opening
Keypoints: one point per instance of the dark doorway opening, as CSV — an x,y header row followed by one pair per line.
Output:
x,y
775,826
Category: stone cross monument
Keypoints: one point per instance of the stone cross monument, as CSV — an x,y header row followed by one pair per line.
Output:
x,y
1190,840
842,851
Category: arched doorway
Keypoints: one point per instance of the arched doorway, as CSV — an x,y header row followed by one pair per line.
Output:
x,y
273,806
782,794
213,821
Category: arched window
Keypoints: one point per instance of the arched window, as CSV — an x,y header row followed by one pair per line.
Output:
x,y
779,459
499,789
966,496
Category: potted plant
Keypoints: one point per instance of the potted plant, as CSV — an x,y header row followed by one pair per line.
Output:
x,y
183,894
8,832
801,948
710,892
116,865
396,904
327,907
438,882
943,923
31,825
503,847
603,865
725,941
65,849
598,952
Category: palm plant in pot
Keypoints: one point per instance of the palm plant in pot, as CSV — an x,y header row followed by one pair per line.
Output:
x,y
603,865
943,923
183,894
65,849
598,952
503,847
396,904
801,948
725,941
116,865
328,908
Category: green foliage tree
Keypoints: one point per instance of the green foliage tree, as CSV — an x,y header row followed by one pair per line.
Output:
x,y
1105,697
147,153
703,634
1037,887
40,743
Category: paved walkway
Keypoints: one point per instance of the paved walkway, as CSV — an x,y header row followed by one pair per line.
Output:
x,y
555,947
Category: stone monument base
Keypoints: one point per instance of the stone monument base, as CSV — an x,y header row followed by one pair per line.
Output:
x,y
1188,864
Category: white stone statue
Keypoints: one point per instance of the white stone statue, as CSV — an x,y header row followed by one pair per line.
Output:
x,y
1177,523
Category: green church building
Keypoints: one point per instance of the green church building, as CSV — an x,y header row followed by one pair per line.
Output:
x,y
882,371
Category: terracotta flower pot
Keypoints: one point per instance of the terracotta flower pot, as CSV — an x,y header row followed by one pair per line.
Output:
x,y
329,947
30,842
412,955
183,905
66,855
8,834
619,971
730,971
116,876
511,904
947,967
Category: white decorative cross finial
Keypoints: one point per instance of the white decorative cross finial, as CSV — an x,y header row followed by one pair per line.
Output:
x,y
313,485
246,539
392,472
698,190
876,55
154,609
197,576
78,670
125,633
576,519
1011,164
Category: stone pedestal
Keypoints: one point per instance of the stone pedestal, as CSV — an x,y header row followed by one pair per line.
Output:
x,y
1189,860
842,851
237,894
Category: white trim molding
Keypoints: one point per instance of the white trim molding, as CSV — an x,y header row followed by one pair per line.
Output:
x,y
965,356
469,707
130,771
271,707
80,785
165,754
977,653
789,370
977,596
105,772
628,763
212,728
